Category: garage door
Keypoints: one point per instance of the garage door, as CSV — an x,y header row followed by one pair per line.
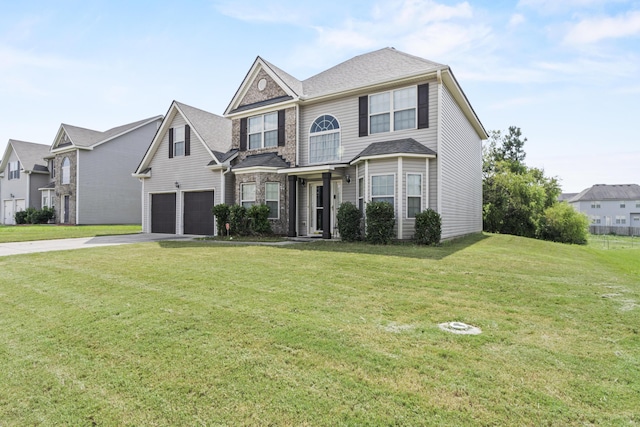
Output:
x,y
198,218
163,213
8,212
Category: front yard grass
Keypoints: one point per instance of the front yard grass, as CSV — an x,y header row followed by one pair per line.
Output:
x,y
26,233
326,333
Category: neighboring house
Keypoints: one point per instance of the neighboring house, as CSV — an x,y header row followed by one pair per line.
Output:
x,y
185,172
383,126
610,208
90,173
23,171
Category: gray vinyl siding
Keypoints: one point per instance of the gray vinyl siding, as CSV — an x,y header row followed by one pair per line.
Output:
x,y
460,157
190,172
106,191
608,211
36,181
345,110
17,187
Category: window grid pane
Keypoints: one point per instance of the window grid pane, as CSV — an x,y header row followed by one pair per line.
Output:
x,y
404,119
271,191
404,98
379,103
414,205
255,141
248,194
178,148
380,123
324,148
271,138
414,185
382,185
271,121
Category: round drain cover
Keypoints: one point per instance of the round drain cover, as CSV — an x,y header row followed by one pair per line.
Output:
x,y
459,328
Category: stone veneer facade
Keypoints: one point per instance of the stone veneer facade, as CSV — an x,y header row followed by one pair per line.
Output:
x,y
62,190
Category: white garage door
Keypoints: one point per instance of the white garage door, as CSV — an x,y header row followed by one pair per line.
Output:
x,y
8,212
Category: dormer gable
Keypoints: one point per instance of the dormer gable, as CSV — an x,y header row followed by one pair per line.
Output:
x,y
264,85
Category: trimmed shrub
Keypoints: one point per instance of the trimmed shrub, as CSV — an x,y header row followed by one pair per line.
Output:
x,y
221,213
41,216
349,218
380,222
238,220
21,217
562,223
259,219
428,227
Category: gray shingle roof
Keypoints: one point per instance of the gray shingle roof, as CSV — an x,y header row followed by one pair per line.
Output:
x,y
364,70
82,137
404,146
213,129
31,155
269,160
294,84
609,192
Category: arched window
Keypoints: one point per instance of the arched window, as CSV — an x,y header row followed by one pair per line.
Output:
x,y
66,171
324,140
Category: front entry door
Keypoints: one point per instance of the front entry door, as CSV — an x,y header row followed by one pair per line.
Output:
x,y
316,207
316,194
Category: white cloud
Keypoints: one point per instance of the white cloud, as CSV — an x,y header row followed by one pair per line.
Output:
x,y
515,20
268,12
593,30
558,6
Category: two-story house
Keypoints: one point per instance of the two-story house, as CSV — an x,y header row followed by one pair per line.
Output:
x,y
90,173
23,171
383,126
610,208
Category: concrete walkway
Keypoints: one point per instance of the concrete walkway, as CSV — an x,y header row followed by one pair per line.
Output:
x,y
18,248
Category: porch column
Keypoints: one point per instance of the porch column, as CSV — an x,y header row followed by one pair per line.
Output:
x,y
293,189
326,203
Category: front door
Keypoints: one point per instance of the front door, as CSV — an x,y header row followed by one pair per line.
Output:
x,y
65,214
316,195
316,207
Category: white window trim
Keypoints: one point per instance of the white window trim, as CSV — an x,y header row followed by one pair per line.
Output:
x,y
371,196
408,195
277,199
242,201
262,132
326,132
391,110
595,205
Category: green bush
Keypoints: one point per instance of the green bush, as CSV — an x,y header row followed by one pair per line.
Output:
x,y
21,217
349,218
562,223
238,222
428,227
259,219
380,222
221,213
41,216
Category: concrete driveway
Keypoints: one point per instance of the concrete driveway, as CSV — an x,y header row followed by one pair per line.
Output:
x,y
18,248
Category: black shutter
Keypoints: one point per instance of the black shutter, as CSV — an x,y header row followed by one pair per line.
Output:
x,y
171,143
423,106
281,140
363,115
243,134
187,140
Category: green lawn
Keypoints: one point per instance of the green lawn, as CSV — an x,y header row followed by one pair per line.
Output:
x,y
25,233
327,333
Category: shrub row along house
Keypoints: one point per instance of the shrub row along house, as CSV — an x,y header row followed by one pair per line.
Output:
x,y
84,175
383,126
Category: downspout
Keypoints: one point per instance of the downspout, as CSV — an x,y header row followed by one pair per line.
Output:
x,y
438,141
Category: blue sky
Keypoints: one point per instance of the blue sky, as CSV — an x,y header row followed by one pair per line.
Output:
x,y
566,72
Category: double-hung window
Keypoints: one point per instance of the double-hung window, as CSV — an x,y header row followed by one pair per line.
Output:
x,y
324,140
178,141
621,219
382,188
393,110
361,195
595,219
595,205
263,131
248,194
272,199
623,205
414,194
14,170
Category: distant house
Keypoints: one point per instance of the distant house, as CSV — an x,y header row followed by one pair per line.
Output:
x,y
23,171
610,208
90,173
184,172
